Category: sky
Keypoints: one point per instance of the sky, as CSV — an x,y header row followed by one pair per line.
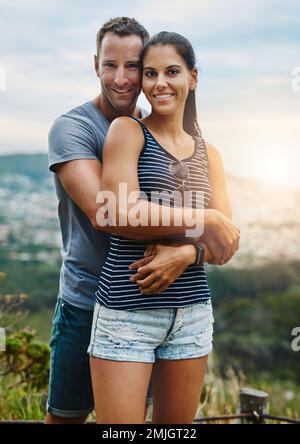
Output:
x,y
248,54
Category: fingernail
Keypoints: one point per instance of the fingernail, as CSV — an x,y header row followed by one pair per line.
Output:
x,y
131,279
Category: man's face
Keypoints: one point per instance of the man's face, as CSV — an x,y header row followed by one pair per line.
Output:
x,y
118,68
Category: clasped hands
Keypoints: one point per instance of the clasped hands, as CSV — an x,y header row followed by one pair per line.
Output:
x,y
164,262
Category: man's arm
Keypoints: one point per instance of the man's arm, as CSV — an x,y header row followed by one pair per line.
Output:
x,y
220,198
219,202
81,179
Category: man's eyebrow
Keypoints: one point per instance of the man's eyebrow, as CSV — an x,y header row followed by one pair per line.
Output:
x,y
168,67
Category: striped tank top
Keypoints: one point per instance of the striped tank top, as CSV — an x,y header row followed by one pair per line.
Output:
x,y
115,290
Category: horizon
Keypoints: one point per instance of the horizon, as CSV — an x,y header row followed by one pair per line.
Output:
x,y
228,174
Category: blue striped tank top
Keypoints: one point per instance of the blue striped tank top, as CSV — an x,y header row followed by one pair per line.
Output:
x,y
115,290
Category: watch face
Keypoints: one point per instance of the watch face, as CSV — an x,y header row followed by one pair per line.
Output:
x,y
200,255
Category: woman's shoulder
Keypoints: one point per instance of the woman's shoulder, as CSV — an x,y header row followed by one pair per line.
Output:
x,y
212,152
126,123
215,162
125,131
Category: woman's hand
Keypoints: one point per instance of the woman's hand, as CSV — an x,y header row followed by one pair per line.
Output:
x,y
161,266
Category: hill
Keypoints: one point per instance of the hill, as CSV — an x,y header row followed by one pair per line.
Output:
x,y
33,165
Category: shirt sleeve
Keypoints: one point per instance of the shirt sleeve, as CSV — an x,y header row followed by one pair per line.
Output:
x,y
70,139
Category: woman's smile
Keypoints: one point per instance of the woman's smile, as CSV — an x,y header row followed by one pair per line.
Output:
x,y
163,96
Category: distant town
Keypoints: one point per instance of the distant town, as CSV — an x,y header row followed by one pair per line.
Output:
x,y
269,219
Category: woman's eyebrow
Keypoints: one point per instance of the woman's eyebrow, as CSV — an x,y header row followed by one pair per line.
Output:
x,y
167,67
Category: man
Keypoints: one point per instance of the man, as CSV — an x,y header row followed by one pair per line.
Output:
x,y
75,153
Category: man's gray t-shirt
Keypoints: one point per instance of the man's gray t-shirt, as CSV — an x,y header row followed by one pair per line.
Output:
x,y
78,134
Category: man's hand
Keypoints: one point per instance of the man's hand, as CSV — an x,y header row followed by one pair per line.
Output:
x,y
161,266
220,236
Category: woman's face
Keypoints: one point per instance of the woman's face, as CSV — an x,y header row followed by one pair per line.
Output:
x,y
166,79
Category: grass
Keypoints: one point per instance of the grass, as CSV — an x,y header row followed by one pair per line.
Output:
x,y
16,404
220,396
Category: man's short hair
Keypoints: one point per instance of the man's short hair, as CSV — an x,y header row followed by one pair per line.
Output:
x,y
121,26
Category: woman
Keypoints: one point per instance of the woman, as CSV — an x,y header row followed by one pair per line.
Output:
x,y
168,333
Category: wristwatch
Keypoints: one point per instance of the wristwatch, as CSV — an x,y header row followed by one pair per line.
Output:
x,y
200,250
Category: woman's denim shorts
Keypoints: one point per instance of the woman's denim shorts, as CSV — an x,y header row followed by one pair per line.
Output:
x,y
147,335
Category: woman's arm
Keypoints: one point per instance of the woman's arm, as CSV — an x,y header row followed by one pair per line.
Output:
x,y
121,153
155,276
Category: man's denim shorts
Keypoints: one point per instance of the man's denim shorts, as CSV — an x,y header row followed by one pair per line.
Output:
x,y
70,386
150,334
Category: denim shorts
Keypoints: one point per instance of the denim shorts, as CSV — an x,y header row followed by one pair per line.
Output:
x,y
147,335
70,386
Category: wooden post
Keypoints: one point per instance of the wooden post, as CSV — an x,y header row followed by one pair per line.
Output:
x,y
253,402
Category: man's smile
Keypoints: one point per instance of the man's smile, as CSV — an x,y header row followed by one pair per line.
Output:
x,y
122,92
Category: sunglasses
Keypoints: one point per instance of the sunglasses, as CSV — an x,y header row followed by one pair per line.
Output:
x,y
180,170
